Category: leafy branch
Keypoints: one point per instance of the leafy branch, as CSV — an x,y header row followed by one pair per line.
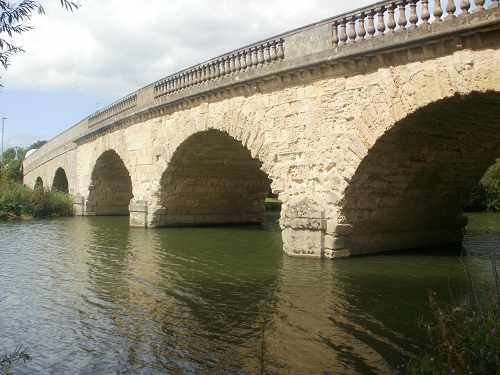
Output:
x,y
12,21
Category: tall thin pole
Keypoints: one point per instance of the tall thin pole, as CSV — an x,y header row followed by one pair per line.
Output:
x,y
3,123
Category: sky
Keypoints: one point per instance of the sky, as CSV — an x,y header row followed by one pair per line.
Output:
x,y
76,63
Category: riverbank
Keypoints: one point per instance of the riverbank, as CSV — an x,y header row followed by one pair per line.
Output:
x,y
18,201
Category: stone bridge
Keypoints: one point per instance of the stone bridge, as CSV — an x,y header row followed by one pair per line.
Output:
x,y
371,126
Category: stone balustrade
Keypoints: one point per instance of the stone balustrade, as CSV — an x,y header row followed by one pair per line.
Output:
x,y
380,18
244,59
114,109
324,41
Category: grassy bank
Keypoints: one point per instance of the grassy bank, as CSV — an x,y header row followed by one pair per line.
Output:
x,y
464,337
19,201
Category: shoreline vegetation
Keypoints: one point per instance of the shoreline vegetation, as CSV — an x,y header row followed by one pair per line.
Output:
x,y
18,201
463,336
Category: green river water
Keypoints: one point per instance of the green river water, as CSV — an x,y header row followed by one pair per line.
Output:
x,y
94,296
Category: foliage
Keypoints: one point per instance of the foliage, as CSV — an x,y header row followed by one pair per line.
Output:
x,y
10,153
18,200
485,196
7,360
465,336
12,19
11,171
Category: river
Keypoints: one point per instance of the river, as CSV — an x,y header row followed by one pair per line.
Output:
x,y
94,296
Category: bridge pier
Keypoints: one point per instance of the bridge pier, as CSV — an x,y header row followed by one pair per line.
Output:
x,y
138,213
307,233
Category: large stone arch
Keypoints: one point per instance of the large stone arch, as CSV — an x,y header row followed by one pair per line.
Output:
x,y
410,188
211,179
60,181
110,189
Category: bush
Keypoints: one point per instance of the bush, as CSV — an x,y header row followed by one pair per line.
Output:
x,y
464,337
17,201
485,196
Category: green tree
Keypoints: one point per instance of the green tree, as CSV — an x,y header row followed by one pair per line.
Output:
x,y
12,21
485,196
36,145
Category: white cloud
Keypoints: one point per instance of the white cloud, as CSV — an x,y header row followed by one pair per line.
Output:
x,y
114,47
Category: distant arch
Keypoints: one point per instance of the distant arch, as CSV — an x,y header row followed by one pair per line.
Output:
x,y
410,188
212,179
60,182
39,183
110,190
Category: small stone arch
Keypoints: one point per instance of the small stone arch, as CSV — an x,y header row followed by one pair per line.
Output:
x,y
409,190
110,189
60,182
38,183
211,179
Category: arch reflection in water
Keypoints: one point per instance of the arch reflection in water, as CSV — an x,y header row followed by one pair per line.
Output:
x,y
99,297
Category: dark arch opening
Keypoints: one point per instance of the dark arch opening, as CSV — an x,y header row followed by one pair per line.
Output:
x,y
110,190
60,182
212,179
39,183
408,192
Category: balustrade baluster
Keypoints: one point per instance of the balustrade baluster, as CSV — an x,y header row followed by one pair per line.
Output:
x,y
221,64
494,4
232,63
381,24
413,14
464,6
211,70
361,25
280,49
244,60
352,29
272,50
255,56
450,9
391,23
402,15
335,34
371,25
343,33
260,54
267,54
237,62
479,5
438,11
425,13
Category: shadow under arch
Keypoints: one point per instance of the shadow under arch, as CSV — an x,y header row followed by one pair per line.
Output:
x,y
110,190
212,179
408,192
38,183
60,182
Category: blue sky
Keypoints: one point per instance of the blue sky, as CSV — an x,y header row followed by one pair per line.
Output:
x,y
78,62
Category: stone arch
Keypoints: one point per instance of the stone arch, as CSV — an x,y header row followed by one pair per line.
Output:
x,y
409,190
110,189
38,183
60,181
211,179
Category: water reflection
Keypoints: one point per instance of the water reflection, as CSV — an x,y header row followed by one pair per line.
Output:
x,y
91,295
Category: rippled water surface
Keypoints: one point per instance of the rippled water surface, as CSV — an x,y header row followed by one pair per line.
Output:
x,y
93,296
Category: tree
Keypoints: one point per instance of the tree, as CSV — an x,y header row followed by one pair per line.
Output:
x,y
12,21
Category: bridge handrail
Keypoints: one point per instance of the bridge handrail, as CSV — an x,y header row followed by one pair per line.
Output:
x,y
360,23
248,57
368,22
112,110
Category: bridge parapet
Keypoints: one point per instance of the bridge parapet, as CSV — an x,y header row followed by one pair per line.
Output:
x,y
249,57
379,19
350,41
